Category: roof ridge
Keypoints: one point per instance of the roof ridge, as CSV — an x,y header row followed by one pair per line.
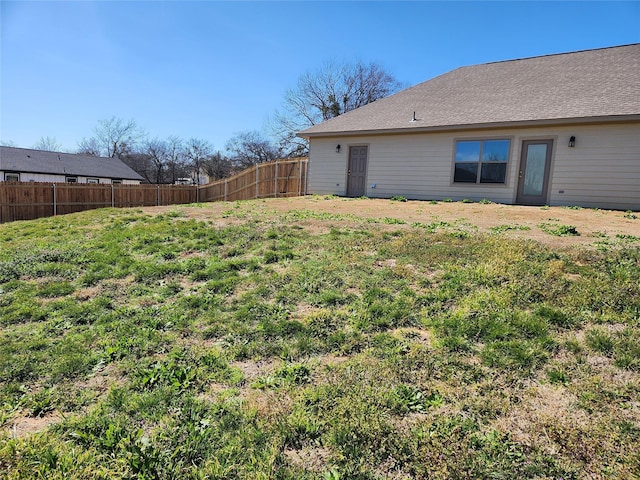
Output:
x,y
554,54
48,151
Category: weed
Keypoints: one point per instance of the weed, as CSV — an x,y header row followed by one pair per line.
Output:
x,y
332,474
410,399
287,375
627,350
431,227
558,230
630,215
398,198
558,376
393,221
600,341
519,355
506,228
628,238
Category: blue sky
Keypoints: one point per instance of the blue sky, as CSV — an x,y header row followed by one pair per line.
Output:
x,y
213,69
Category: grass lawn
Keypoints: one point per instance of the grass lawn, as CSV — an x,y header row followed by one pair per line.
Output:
x,y
238,341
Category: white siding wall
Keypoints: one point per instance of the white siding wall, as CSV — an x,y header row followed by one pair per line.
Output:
x,y
42,177
602,170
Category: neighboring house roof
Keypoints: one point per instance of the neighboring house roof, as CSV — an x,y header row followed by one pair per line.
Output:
x,y
55,163
578,86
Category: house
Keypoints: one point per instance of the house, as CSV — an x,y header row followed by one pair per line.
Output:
x,y
27,165
552,130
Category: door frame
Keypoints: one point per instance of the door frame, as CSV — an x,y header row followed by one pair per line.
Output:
x,y
520,198
366,167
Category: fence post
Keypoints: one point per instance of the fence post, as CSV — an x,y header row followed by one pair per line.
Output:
x,y
257,178
158,196
225,189
275,182
197,193
55,206
112,197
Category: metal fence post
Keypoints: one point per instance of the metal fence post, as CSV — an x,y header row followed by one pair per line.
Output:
x,y
112,197
158,197
225,189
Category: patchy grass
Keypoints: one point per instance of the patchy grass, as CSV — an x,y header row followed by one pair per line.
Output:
x,y
313,345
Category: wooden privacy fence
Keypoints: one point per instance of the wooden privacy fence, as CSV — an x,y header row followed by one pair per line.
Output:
x,y
29,200
283,178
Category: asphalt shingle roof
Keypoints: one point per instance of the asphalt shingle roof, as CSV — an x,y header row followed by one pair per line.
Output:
x,y
580,85
39,161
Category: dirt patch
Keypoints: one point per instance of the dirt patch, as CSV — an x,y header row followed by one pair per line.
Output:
x,y
23,426
542,406
102,381
314,459
416,334
592,225
253,370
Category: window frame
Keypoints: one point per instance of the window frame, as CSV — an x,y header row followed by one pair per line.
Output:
x,y
71,179
93,180
479,163
116,181
12,174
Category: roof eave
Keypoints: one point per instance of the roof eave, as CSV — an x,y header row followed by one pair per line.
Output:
x,y
475,126
13,168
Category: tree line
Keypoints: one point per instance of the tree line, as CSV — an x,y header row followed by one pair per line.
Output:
x,y
167,160
319,95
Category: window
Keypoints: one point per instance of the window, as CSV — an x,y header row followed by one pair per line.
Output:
x,y
71,179
93,180
116,181
11,177
481,161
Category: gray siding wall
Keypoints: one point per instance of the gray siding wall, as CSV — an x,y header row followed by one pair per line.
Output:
x,y
602,170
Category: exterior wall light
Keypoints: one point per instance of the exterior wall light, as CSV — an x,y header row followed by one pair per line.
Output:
x,y
338,148
572,141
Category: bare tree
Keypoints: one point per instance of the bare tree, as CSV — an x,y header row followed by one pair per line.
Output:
x,y
159,161
217,166
113,138
196,152
332,90
158,153
250,148
175,159
48,144
141,163
89,146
